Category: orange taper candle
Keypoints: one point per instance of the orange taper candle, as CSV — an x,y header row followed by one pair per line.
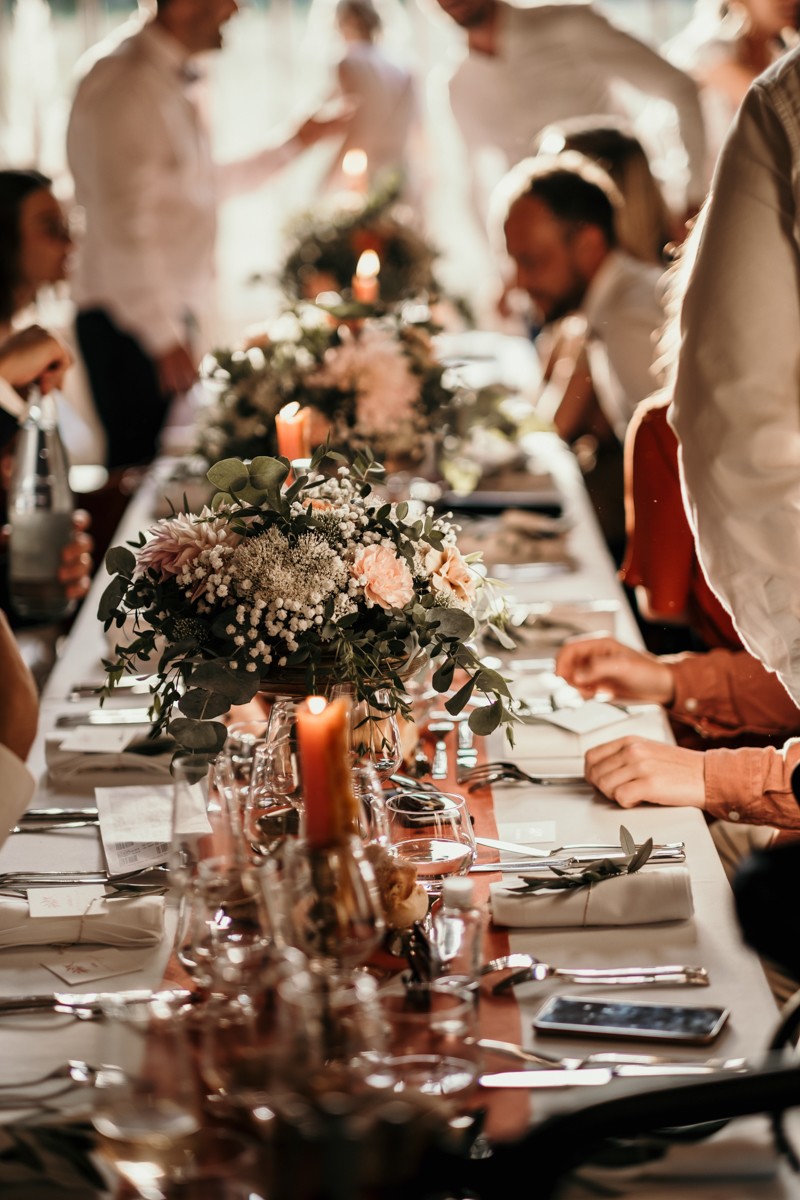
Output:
x,y
323,736
292,426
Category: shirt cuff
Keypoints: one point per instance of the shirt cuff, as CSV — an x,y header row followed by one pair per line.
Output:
x,y
699,700
11,401
752,785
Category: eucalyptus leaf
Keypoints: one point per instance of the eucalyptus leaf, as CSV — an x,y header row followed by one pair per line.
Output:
x,y
120,561
626,840
268,474
202,705
462,697
640,857
207,737
229,475
485,720
216,676
111,598
452,622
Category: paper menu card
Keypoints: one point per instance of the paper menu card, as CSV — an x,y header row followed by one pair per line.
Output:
x,y
136,824
585,718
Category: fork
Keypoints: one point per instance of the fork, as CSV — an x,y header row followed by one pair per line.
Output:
x,y
74,1069
606,1058
492,772
664,976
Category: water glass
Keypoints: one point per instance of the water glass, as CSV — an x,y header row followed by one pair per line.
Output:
x,y
223,926
271,811
148,1117
433,832
374,731
191,829
373,825
428,1042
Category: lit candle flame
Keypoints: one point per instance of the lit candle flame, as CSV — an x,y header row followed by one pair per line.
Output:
x,y
316,704
354,164
369,265
289,411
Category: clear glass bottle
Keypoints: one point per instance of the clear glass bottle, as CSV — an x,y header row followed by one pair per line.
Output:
x,y
40,508
458,934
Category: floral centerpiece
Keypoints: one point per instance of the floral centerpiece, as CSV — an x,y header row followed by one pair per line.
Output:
x,y
326,245
374,383
321,578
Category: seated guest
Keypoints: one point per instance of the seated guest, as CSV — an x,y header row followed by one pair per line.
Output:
x,y
19,713
558,216
35,250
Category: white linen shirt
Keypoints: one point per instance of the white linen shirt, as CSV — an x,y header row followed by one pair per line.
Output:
x,y
18,788
557,61
141,161
623,313
736,408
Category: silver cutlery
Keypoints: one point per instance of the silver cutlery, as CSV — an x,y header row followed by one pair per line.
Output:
x,y
488,773
77,1004
466,752
105,716
659,856
53,815
132,685
441,765
76,1073
14,879
609,1058
662,976
512,847
53,826
569,1077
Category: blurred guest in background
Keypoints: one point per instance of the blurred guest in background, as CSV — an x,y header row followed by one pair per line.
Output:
x,y
644,225
384,96
725,46
35,252
140,156
526,68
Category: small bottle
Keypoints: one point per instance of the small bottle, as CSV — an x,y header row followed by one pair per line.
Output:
x,y
40,508
458,934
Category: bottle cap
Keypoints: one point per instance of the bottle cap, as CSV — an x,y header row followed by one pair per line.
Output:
x,y
458,892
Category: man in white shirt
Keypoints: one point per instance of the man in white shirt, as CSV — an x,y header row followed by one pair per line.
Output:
x,y
529,67
140,157
736,408
557,215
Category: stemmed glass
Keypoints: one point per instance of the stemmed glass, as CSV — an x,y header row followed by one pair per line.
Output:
x,y
149,1114
374,731
433,831
273,802
334,910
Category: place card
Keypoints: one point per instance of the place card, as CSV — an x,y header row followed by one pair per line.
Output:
x,y
65,901
99,739
74,965
136,824
585,719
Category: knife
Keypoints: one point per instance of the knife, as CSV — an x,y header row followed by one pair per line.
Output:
x,y
664,855
105,716
90,1001
547,1078
512,848
52,816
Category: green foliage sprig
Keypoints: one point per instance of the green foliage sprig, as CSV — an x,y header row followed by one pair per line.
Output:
x,y
595,872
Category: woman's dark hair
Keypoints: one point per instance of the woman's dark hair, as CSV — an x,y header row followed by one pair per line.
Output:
x,y
14,187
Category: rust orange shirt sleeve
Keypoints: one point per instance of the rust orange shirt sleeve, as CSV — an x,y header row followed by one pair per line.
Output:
x,y
753,785
728,691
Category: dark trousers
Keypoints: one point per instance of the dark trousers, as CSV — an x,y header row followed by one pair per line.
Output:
x,y
125,388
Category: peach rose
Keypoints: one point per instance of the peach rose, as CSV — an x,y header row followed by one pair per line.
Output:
x,y
449,573
385,578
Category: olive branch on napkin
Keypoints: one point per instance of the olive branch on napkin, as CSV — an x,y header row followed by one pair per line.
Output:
x,y
594,872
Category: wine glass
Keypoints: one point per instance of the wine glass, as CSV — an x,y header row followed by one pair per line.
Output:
x,y
374,730
224,930
271,809
373,825
333,907
190,824
433,832
234,764
148,1116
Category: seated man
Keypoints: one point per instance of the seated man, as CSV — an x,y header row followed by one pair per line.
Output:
x,y
19,711
558,219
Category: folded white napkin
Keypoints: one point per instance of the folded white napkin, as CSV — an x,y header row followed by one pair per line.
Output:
x,y
80,770
644,898
135,921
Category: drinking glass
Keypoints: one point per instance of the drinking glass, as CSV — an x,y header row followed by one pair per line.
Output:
x,y
433,832
271,809
333,908
374,731
191,827
224,929
428,1042
373,825
148,1117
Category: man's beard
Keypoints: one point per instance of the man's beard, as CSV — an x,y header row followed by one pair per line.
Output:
x,y
564,305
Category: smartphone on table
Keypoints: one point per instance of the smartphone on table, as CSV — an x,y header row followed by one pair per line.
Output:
x,y
691,1024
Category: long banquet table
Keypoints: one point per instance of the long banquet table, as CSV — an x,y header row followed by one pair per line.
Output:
x,y
711,939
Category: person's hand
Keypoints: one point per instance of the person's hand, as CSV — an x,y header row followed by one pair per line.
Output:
x,y
635,771
75,571
318,127
598,664
176,370
19,700
34,356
